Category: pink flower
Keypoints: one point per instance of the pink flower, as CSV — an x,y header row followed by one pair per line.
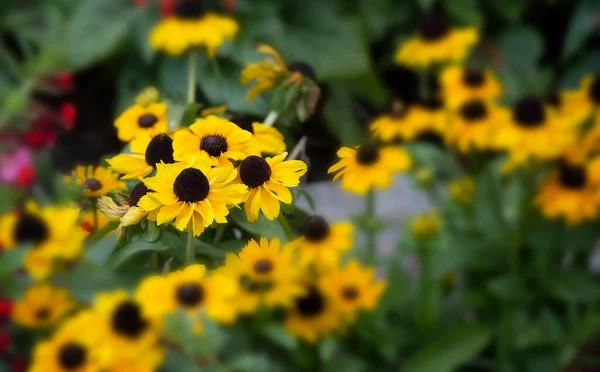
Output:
x,y
16,168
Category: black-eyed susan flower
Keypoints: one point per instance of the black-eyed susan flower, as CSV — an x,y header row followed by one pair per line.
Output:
x,y
78,345
146,152
268,181
189,25
568,106
192,194
572,192
127,211
41,306
436,42
322,244
53,232
313,316
461,190
460,84
431,126
353,288
397,124
270,140
532,133
473,125
192,291
589,95
369,166
426,224
132,338
150,118
96,181
216,137
267,275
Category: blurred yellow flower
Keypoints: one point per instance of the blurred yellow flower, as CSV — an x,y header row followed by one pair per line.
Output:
x,y
426,224
41,306
97,181
460,84
396,124
436,43
473,125
369,166
147,96
461,190
313,316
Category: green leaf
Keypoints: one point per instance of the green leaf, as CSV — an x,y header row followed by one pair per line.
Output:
x,y
465,12
11,260
261,228
381,15
588,64
95,29
280,336
341,121
101,250
132,250
189,114
511,10
574,286
510,287
152,232
426,5
450,350
583,24
327,349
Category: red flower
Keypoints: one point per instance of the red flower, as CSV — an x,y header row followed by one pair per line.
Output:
x,y
68,112
5,308
167,7
37,138
25,176
87,227
63,80
19,365
140,2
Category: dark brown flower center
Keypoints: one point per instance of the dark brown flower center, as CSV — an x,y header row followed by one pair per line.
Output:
x,y
434,27
30,229
350,293
316,229
127,320
42,313
311,304
595,90
473,110
214,144
529,112
245,122
160,149
263,266
72,356
473,77
191,185
367,155
137,193
190,295
431,137
553,99
147,120
398,109
304,68
254,171
92,184
189,8
572,177
255,286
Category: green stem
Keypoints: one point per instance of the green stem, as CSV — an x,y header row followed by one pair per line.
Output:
x,y
192,63
286,227
95,214
271,118
190,253
424,316
371,233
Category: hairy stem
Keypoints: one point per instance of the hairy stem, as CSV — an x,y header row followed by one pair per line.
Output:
x,y
190,254
192,63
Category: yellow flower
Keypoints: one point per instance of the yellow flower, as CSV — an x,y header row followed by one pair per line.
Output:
x,y
369,166
96,181
397,124
192,291
473,125
321,243
268,181
533,133
146,152
353,288
128,211
192,193
264,73
436,43
190,27
270,140
147,96
131,337
42,306
216,137
461,190
150,119
78,345
460,84
572,192
430,125
314,315
267,275
576,106
53,231
426,224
